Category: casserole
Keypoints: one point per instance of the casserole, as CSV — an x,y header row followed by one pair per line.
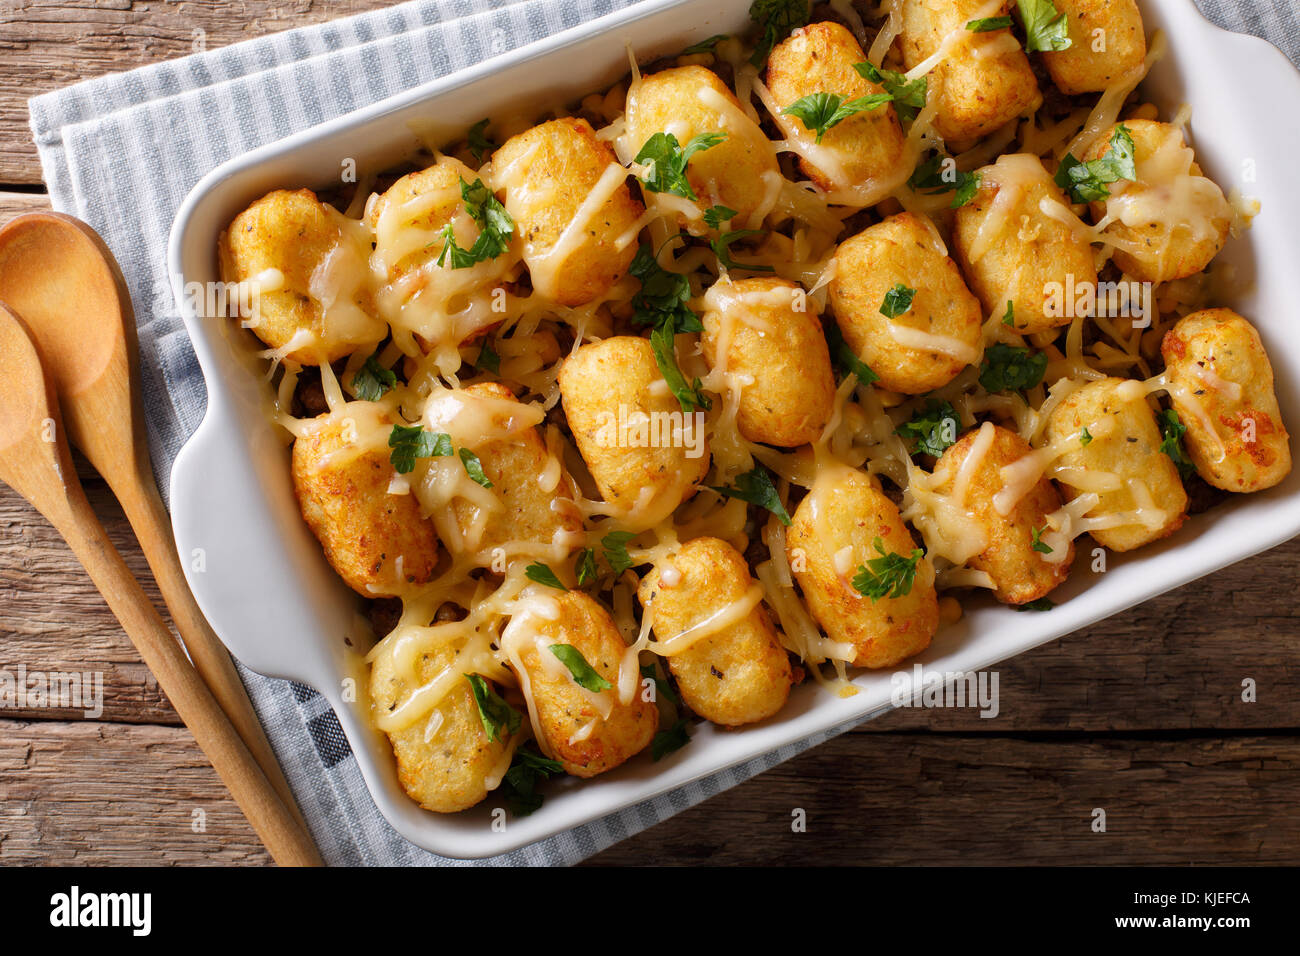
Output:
x,y
274,600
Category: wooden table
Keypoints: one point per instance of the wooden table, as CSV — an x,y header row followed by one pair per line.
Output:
x,y
1141,716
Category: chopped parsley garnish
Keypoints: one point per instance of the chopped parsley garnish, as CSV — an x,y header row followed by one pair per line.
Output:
x,y
614,548
661,301
908,95
662,687
492,710
1008,369
1009,317
494,223
897,301
689,396
371,380
542,574
939,174
410,442
1086,182
1042,604
988,24
844,357
479,144
722,249
584,567
1047,30
1172,429
474,468
669,741
776,18
704,46
519,786
755,486
715,216
488,360
934,427
665,160
584,675
1085,436
820,112
890,575
1036,535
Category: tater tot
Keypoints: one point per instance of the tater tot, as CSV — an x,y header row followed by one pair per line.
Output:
x,y
740,172
1140,497
1020,573
646,456
1221,385
819,58
776,352
1011,251
572,208
1173,220
409,217
305,266
737,672
379,543
588,732
536,506
927,346
448,768
1106,42
983,82
832,535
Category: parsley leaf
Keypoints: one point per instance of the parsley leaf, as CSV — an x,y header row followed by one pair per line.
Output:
x,y
371,380
662,687
704,46
1036,534
844,356
668,741
410,442
479,144
1046,28
1042,604
820,112
1085,436
494,223
908,95
715,216
614,548
690,397
488,360
1009,317
584,567
1086,182
897,301
755,486
474,468
542,574
939,174
934,427
776,18
890,575
1172,428
722,249
519,786
1008,369
584,675
661,301
665,160
492,709
988,24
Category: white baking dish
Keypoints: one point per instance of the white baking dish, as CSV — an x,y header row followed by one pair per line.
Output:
x,y
282,611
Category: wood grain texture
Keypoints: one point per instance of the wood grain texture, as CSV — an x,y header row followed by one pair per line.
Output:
x,y
110,794
59,42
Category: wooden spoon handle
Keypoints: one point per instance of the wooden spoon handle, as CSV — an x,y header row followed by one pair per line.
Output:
x,y
277,827
148,517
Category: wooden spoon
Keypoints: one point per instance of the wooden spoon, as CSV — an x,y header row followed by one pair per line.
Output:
x,y
56,273
35,462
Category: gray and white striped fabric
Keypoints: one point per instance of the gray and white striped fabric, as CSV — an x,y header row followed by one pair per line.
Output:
x,y
122,151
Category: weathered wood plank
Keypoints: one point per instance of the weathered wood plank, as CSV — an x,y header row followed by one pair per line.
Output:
x,y
13,204
59,42
911,799
112,794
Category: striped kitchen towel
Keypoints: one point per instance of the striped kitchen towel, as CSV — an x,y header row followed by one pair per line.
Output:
x,y
122,151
